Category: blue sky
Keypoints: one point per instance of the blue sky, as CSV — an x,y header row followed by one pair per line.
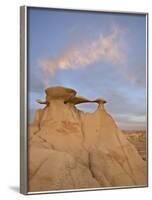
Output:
x,y
97,54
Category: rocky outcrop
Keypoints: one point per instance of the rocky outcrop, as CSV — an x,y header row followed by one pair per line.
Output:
x,y
72,149
139,140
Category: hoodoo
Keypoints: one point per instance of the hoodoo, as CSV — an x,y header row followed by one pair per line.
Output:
x,y
72,149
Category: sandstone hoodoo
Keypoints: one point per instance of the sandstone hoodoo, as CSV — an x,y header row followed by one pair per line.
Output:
x,y
72,149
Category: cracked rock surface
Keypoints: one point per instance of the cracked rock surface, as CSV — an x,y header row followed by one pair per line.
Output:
x,y
72,149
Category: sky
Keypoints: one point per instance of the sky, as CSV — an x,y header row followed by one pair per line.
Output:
x,y
97,54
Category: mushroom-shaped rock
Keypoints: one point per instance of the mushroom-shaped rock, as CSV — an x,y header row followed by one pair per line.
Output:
x,y
71,149
68,95
59,92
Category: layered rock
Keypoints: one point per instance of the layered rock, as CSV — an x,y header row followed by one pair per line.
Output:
x,y
139,140
72,149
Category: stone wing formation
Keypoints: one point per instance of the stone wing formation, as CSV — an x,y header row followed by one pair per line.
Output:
x,y
72,149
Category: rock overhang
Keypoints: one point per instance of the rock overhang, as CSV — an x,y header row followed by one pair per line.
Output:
x,y
68,95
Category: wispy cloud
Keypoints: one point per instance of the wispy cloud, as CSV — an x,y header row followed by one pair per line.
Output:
x,y
75,56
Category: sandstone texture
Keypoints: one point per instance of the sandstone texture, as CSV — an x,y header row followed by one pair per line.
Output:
x,y
72,149
139,140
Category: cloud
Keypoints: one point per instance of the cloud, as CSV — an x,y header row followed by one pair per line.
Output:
x,y
75,56
127,122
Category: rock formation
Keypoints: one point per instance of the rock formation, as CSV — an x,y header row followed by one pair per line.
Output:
x,y
139,140
72,149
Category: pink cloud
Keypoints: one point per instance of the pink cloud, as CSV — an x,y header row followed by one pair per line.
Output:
x,y
75,56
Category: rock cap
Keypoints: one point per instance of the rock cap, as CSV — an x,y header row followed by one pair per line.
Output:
x,y
68,95
59,92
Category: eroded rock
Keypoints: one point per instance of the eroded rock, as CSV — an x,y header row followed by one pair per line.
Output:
x,y
71,149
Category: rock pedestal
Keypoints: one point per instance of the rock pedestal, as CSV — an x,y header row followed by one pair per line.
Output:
x,y
72,149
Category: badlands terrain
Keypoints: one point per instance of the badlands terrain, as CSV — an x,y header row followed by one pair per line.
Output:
x,y
138,139
72,149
